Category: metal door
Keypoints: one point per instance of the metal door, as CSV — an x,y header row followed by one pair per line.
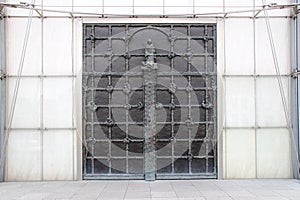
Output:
x,y
149,101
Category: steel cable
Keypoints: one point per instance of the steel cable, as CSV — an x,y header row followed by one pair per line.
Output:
x,y
17,86
279,80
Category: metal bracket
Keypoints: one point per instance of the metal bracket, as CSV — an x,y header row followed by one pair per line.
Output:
x,y
295,73
2,75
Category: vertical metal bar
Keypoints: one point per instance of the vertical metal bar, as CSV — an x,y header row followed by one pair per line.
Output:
x,y
189,98
194,7
127,97
255,96
103,7
206,98
164,7
93,98
133,4
172,117
150,77
295,91
74,139
110,97
84,117
296,86
42,95
2,91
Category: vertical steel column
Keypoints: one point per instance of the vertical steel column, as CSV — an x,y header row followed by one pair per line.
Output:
x,y
2,92
297,82
150,76
295,29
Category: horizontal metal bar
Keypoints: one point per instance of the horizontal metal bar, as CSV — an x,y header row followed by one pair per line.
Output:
x,y
137,106
254,75
160,123
41,76
142,157
95,74
146,6
265,7
151,16
115,157
42,129
160,89
114,140
181,140
142,140
113,177
118,123
186,176
185,157
158,55
258,127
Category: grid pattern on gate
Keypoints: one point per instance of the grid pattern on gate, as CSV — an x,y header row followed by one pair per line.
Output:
x,y
113,98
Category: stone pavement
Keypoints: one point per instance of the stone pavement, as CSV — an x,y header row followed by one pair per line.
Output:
x,y
185,189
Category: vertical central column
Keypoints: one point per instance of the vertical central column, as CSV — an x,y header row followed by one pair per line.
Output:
x,y
149,69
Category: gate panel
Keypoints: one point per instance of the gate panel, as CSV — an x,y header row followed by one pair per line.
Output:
x,y
116,124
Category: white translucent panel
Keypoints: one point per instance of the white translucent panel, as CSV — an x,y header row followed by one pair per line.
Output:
x,y
58,155
61,5
15,33
273,153
282,39
27,108
240,107
78,60
208,6
57,102
238,5
77,148
145,3
240,153
87,6
270,110
118,3
239,51
19,11
118,7
23,156
148,7
57,46
220,46
221,153
178,7
274,12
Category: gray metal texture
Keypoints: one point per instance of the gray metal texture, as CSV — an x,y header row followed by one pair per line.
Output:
x,y
150,79
149,101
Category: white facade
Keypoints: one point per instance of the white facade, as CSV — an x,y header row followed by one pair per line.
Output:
x,y
45,139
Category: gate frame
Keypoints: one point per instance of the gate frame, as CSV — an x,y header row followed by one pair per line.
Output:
x,y
78,64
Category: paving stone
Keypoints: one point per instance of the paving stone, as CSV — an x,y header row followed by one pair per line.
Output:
x,y
185,190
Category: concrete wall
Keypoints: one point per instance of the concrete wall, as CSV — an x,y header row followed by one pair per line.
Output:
x,y
45,140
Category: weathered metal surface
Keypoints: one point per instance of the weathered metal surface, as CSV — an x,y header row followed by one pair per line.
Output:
x,y
149,113
150,75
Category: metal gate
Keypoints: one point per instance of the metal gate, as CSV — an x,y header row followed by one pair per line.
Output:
x,y
149,101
